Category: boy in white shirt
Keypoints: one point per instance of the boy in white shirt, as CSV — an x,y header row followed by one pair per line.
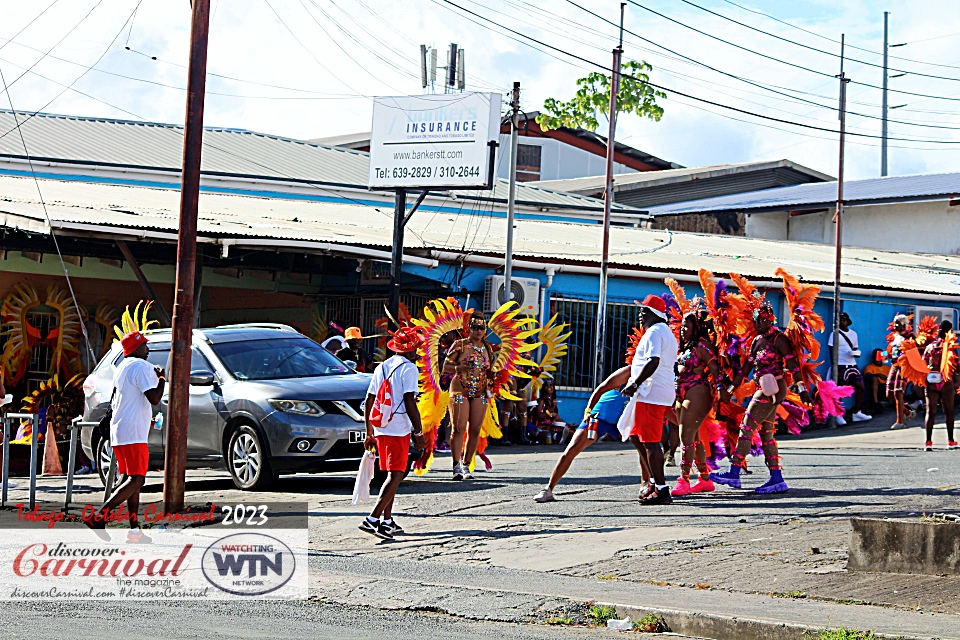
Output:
x,y
848,350
391,416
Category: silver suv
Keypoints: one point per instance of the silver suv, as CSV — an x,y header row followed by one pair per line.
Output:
x,y
264,400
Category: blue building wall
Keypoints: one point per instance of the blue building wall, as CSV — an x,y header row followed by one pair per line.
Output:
x,y
871,315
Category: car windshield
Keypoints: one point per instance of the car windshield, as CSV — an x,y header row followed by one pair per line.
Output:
x,y
278,358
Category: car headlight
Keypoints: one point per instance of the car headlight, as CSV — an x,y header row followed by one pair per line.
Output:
x,y
299,407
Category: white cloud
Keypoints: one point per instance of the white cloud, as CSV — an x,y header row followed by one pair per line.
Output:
x,y
347,54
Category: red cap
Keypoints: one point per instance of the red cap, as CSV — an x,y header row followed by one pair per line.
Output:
x,y
132,341
405,340
656,304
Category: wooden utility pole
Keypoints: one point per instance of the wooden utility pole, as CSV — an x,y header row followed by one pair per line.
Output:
x,y
175,451
838,220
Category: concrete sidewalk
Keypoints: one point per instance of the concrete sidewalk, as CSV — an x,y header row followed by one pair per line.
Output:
x,y
511,595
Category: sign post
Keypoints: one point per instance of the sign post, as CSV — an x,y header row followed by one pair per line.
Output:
x,y
430,142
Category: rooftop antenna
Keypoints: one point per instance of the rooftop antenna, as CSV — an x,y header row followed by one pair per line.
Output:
x,y
428,68
451,68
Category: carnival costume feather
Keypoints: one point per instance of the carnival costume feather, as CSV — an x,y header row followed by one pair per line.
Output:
x,y
445,315
552,337
948,362
440,317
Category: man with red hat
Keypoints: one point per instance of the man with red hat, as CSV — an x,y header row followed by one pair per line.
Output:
x,y
652,389
391,415
137,385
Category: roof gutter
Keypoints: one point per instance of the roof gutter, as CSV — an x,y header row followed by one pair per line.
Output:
x,y
323,247
552,268
226,243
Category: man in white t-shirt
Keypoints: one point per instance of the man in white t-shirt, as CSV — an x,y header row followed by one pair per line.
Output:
x,y
653,389
137,385
391,416
848,349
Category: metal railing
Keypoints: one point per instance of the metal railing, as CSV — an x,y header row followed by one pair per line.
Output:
x,y
75,426
575,372
5,474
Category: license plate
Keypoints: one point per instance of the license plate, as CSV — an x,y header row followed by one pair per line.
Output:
x,y
356,436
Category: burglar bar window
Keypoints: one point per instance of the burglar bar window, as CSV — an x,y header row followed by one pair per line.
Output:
x,y
575,371
528,162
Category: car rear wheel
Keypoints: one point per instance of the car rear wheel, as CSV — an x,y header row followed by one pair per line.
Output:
x,y
104,453
248,460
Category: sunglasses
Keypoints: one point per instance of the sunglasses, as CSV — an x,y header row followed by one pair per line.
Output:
x,y
477,327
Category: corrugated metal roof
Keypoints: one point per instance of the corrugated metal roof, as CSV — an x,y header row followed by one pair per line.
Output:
x,y
871,191
104,142
647,179
124,210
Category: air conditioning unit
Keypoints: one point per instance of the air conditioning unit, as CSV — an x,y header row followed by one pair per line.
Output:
x,y
940,313
526,293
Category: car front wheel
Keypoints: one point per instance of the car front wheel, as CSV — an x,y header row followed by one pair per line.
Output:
x,y
248,460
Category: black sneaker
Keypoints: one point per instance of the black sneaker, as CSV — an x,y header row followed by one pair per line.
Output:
x,y
99,527
662,496
379,529
394,527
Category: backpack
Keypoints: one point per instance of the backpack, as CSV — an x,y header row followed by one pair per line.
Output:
x,y
383,403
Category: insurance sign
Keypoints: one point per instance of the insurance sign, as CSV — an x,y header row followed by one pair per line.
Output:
x,y
433,140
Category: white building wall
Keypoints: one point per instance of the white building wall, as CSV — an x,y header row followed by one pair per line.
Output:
x,y
558,160
919,227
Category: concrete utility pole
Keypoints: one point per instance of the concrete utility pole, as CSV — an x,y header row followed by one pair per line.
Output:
x,y
838,219
175,451
883,108
598,362
512,193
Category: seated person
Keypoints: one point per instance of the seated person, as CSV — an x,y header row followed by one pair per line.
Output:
x,y
875,378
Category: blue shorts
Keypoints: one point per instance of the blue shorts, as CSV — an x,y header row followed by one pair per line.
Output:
x,y
603,428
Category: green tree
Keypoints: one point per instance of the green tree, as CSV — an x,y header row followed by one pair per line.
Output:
x,y
593,97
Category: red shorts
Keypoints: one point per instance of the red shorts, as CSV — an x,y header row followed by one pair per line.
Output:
x,y
648,422
393,452
132,459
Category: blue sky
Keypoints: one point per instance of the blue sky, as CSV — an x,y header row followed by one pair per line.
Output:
x,y
307,68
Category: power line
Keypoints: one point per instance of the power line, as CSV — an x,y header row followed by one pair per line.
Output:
x,y
784,62
78,78
57,43
811,48
835,41
680,93
26,26
766,87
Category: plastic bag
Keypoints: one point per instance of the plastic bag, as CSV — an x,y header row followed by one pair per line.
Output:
x,y
361,488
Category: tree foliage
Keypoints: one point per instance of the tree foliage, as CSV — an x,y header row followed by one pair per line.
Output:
x,y
593,96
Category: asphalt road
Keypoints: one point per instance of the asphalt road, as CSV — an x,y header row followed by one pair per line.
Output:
x,y
497,561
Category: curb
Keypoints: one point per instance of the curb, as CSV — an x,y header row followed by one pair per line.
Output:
x,y
723,628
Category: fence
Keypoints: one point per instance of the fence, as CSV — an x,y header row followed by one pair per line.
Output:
x,y
575,372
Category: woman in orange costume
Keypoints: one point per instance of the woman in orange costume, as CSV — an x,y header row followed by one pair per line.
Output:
x,y
941,359
896,382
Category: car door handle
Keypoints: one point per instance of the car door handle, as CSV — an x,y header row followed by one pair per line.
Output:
x,y
165,400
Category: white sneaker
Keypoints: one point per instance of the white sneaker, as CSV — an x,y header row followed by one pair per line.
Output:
x,y
897,425
841,421
545,496
916,405
860,416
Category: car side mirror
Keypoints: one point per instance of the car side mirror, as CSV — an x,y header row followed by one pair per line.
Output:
x,y
351,364
201,378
